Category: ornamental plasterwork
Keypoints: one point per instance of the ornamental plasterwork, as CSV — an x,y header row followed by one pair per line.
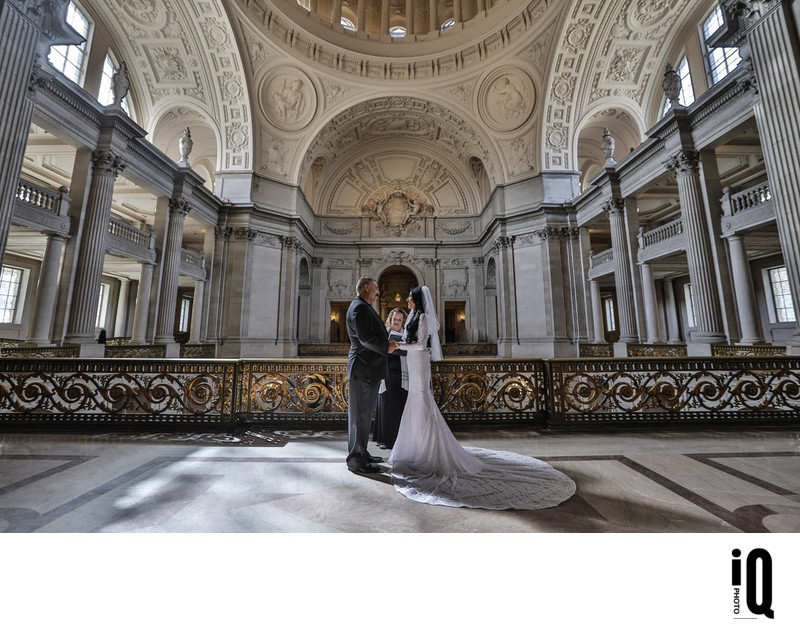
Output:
x,y
287,98
282,30
341,229
455,283
341,282
620,57
506,98
187,51
275,153
454,229
520,155
403,117
397,213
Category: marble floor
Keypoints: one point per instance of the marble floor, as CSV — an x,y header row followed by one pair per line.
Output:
x,y
264,481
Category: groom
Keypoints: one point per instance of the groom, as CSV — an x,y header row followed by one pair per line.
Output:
x,y
366,366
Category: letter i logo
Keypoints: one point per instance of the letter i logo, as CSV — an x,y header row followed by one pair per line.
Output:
x,y
736,568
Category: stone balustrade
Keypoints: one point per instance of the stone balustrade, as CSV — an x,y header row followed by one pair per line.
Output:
x,y
662,233
596,260
129,233
193,258
42,198
733,204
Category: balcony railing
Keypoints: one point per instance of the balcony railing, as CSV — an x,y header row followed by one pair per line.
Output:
x,y
129,233
193,258
41,198
662,233
596,260
747,199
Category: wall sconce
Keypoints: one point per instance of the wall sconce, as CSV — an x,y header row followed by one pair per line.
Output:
x,y
333,317
397,297
462,317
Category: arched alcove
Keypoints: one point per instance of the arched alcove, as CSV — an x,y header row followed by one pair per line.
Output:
x,y
395,283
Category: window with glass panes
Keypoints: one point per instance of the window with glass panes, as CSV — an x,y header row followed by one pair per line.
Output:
x,y
781,295
720,60
10,281
611,320
186,308
68,60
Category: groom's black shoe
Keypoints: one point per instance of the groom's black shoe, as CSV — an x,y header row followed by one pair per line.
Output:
x,y
374,458
368,468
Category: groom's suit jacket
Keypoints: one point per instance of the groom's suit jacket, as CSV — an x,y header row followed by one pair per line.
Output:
x,y
369,342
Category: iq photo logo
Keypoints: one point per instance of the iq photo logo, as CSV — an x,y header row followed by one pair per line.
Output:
x,y
752,585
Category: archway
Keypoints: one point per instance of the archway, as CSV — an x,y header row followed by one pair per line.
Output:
x,y
394,283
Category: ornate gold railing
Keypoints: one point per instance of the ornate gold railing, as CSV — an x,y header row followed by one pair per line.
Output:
x,y
198,350
761,350
656,350
675,391
461,350
300,393
596,350
323,350
40,351
131,351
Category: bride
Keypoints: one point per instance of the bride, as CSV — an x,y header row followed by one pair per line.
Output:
x,y
428,463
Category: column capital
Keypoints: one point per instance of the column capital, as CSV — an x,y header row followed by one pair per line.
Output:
x,y
477,260
502,242
107,162
614,206
684,163
178,205
290,242
547,233
222,233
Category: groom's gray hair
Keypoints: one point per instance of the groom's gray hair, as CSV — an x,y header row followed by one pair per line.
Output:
x,y
363,281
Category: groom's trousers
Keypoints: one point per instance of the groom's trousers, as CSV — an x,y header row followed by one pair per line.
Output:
x,y
361,401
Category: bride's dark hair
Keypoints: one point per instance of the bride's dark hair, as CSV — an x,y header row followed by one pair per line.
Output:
x,y
413,322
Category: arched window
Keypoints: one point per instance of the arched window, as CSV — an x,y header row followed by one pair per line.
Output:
x,y
448,24
397,31
106,95
720,61
347,24
686,97
68,60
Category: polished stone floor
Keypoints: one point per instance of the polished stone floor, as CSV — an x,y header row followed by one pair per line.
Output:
x,y
262,481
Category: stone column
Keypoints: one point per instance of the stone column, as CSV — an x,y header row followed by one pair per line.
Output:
x,y
457,13
622,271
92,249
433,17
671,305
384,17
503,251
287,308
138,335
121,319
336,16
25,33
165,325
195,335
481,6
698,251
409,17
745,295
597,313
650,305
771,32
362,16
46,292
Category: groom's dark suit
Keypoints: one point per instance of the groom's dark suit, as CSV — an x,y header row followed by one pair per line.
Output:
x,y
366,366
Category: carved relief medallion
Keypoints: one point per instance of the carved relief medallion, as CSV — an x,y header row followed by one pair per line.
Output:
x,y
506,99
288,98
397,213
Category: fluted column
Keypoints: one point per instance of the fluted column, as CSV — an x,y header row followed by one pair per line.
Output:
x,y
362,16
433,17
622,271
24,28
650,305
503,250
597,313
165,325
197,312
138,335
745,295
772,38
46,291
698,249
671,307
121,319
409,17
92,249
384,17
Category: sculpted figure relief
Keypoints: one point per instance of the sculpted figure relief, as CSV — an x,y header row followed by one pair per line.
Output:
x,y
511,102
288,101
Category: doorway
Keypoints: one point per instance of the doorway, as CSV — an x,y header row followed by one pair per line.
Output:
x,y
395,284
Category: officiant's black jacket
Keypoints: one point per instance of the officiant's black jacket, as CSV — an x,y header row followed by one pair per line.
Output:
x,y
369,342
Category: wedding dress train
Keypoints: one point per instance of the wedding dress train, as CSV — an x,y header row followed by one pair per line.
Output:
x,y
429,465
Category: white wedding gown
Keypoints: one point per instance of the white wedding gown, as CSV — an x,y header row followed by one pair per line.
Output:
x,y
429,465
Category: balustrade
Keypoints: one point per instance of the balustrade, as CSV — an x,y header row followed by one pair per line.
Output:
x,y
40,197
746,199
606,256
193,258
662,233
127,232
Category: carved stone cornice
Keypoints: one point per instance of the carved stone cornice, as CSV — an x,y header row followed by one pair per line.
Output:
x,y
317,261
106,162
684,164
478,261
